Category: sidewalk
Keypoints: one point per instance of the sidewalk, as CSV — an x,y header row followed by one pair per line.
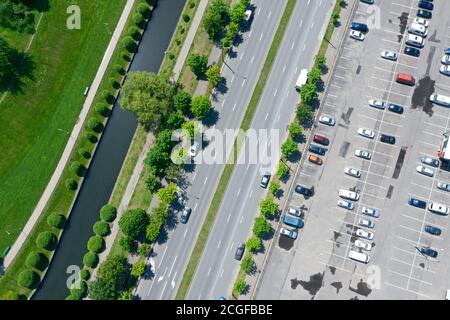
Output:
x,y
73,138
331,57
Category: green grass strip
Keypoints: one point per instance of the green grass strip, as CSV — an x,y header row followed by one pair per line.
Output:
x,y
228,170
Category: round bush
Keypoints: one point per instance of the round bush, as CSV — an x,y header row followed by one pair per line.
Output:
x,y
77,168
138,20
125,56
144,9
114,83
119,69
191,4
95,125
108,213
107,96
72,297
79,289
95,244
129,44
135,33
71,184
85,274
186,17
56,220
84,153
92,138
102,109
28,279
37,260
90,260
46,240
101,228
126,243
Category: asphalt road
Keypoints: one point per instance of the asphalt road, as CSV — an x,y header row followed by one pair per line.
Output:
x,y
217,270
174,248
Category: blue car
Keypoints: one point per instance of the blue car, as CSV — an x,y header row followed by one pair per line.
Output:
x,y
417,203
433,230
292,221
447,51
395,108
359,27
426,5
316,149
368,1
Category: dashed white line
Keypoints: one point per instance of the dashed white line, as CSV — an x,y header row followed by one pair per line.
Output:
x,y
220,242
206,179
276,91
251,62
242,218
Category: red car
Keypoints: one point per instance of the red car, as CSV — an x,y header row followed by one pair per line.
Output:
x,y
321,139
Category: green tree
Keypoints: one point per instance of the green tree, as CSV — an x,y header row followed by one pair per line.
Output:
x,y
274,187
96,244
198,64
295,130
28,279
102,289
320,61
288,148
175,120
151,183
90,259
138,268
200,106
304,113
240,286
46,240
158,161
108,213
213,75
253,244
237,12
182,101
232,31
56,220
268,207
116,269
215,17
126,295
261,227
308,92
314,76
144,250
191,127
133,223
179,157
282,170
247,264
101,228
167,194
37,260
157,219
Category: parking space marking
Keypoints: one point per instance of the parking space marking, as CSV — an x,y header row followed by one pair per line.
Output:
x,y
432,134
405,289
390,41
418,280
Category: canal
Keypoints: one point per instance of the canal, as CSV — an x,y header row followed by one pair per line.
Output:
x,y
108,159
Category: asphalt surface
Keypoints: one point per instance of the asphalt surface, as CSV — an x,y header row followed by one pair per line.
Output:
x,y
316,265
173,250
217,270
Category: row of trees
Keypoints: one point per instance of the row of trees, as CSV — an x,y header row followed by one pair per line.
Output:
x,y
16,15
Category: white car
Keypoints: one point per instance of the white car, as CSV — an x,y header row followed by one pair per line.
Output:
x,y
366,133
352,172
425,171
327,120
295,212
346,204
363,245
421,21
438,208
288,233
446,59
443,186
366,223
430,161
194,149
389,55
370,212
376,104
364,234
445,70
357,35
363,154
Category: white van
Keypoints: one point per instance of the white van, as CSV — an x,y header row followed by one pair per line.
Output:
x,y
415,41
347,194
357,256
301,79
440,99
418,29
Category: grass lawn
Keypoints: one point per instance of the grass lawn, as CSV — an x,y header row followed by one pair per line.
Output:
x,y
34,121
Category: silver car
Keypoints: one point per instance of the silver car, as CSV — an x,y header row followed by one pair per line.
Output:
x,y
364,234
443,186
363,245
445,59
366,223
352,172
377,104
288,233
430,161
366,133
445,70
363,154
389,55
327,120
357,35
346,204
425,171
370,212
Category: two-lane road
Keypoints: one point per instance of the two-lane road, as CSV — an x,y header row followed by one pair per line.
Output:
x,y
171,255
217,270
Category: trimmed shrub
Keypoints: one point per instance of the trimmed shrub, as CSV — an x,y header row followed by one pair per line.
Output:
x,y
84,153
101,228
79,289
95,125
102,109
37,260
90,259
107,96
126,243
77,168
144,249
186,18
144,9
56,220
108,213
114,83
191,4
71,297
129,44
71,184
92,138
46,240
96,244
85,274
28,279
135,33
182,101
138,20
125,56
119,69
134,222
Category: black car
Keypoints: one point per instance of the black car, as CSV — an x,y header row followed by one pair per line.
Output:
x,y
185,215
387,139
307,192
424,14
359,27
412,51
417,203
239,252
426,5
316,149
433,230
395,108
429,252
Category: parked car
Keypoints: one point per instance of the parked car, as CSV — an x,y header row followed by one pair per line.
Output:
x,y
350,205
295,212
358,26
327,120
415,41
446,59
418,29
389,55
430,161
315,159
316,149
292,221
376,104
363,154
387,138
438,208
429,252
433,230
368,1
357,35
370,212
366,223
194,149
352,172
424,14
307,192
363,245
364,234
265,179
412,51
395,108
443,186
440,99
404,78
321,139
288,233
426,5
445,70
366,133
239,251
417,203
421,21
425,171
185,215
447,51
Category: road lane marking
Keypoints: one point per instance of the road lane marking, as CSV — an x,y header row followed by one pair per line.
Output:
x,y
270,14
209,271
164,289
251,62
243,82
234,107
195,207
162,277
266,116
242,55
185,232
251,193
260,38
173,279
221,274
220,242
229,217
206,179
232,78
238,192
242,218
223,102
276,91
162,258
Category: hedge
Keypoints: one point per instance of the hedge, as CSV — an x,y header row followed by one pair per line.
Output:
x,y
56,220
143,9
28,279
96,244
46,240
101,228
138,19
108,213
90,259
36,260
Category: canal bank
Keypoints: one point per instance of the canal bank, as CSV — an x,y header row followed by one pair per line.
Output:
x,y
108,159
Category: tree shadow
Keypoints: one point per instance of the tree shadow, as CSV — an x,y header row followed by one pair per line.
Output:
x,y
148,273
211,118
296,156
222,87
39,5
163,236
343,4
232,53
24,68
268,235
238,40
172,219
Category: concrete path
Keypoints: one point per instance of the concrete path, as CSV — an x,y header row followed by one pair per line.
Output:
x,y
73,137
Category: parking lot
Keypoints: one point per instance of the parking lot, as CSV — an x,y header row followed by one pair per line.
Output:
x,y
316,265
